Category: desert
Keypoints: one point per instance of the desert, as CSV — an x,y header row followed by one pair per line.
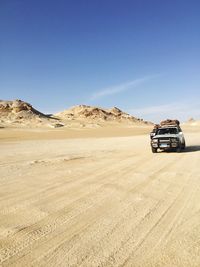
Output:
x,y
96,196
99,133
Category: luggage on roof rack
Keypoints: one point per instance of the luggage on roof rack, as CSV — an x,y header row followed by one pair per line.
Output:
x,y
169,122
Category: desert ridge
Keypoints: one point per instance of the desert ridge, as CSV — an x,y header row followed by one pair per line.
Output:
x,y
18,113
85,116
97,114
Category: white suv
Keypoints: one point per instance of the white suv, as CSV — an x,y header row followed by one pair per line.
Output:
x,y
168,137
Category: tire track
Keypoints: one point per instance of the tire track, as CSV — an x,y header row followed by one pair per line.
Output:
x,y
147,217
79,181
36,234
67,244
162,230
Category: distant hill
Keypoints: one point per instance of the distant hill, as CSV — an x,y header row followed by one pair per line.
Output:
x,y
97,114
192,122
18,109
18,113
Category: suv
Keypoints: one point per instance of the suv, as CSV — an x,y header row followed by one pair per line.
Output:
x,y
167,137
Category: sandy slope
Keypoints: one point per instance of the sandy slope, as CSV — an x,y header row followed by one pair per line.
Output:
x,y
99,202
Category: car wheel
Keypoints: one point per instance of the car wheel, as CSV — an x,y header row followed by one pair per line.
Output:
x,y
154,150
179,148
183,145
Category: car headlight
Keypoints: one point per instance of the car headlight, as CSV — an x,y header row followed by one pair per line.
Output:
x,y
174,140
155,140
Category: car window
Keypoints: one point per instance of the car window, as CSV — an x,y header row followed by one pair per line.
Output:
x,y
167,131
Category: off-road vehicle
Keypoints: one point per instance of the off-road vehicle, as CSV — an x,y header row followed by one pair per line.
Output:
x,y
167,137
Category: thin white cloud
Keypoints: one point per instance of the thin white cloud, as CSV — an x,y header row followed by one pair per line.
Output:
x,y
112,90
182,111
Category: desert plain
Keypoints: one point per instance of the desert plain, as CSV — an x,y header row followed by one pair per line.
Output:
x,y
98,197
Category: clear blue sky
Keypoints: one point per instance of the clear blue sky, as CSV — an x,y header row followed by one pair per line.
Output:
x,y
139,55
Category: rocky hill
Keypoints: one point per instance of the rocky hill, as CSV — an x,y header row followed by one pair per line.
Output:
x,y
97,114
18,108
18,112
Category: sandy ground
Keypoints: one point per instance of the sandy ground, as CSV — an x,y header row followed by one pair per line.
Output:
x,y
16,134
98,202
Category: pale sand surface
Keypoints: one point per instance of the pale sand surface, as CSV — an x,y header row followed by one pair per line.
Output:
x,y
97,201
12,134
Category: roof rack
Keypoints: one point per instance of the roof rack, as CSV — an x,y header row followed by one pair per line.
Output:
x,y
169,125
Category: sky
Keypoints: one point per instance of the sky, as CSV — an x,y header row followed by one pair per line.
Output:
x,y
141,56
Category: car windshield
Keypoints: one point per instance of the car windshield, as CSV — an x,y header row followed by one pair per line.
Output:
x,y
167,131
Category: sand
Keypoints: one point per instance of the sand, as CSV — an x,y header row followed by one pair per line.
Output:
x,y
100,198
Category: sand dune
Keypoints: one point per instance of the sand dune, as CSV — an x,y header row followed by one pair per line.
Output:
x,y
98,202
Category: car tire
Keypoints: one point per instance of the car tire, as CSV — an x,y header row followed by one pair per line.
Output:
x,y
183,145
154,150
179,148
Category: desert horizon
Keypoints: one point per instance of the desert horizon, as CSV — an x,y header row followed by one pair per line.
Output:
x,y
18,113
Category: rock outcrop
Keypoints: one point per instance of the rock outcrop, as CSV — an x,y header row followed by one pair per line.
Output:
x,y
17,108
18,112
90,113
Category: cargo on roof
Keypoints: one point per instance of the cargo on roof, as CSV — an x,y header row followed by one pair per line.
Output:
x,y
170,122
